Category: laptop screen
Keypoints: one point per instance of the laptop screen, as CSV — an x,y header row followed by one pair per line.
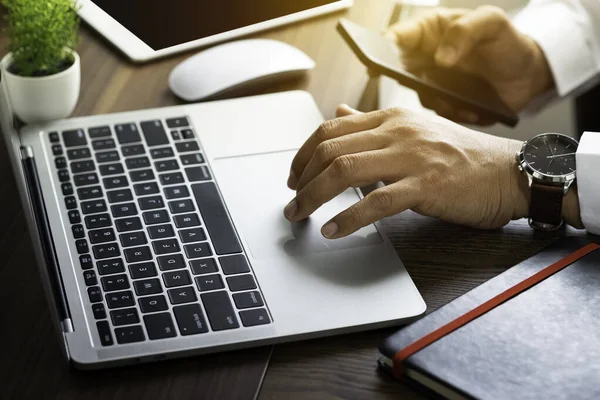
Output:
x,y
165,23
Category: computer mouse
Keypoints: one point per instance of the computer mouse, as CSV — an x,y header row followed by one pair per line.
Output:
x,y
237,66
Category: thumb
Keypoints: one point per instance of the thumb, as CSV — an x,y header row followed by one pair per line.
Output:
x,y
344,110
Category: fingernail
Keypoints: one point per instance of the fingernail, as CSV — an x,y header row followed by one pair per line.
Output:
x,y
446,55
468,116
290,209
330,229
292,180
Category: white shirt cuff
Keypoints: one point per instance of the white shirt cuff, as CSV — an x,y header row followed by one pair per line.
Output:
x,y
566,40
588,181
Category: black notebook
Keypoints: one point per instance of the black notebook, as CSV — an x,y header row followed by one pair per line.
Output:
x,y
543,343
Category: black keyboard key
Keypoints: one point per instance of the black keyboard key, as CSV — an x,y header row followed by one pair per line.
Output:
x,y
118,196
147,286
115,282
133,150
133,239
103,144
57,150
181,206
176,192
177,122
182,295
142,270
137,162
137,254
123,210
93,206
154,133
197,174
176,278
95,294
156,217
165,246
166,165
248,300
99,311
128,224
108,250
115,182
86,179
151,203
86,261
163,152
53,137
215,217
234,264
99,131
63,175
241,282
141,175
66,188
219,310
191,159
170,262
258,316
70,202
104,333
102,235
107,156
160,231
187,133
129,334
173,178
77,154
192,235
82,246
97,221
184,147
204,266
197,250
159,326
74,217
127,133
126,316
142,189
74,137
111,169
60,162
120,299
90,192
190,319
175,135
89,278
186,221
111,266
153,304
209,282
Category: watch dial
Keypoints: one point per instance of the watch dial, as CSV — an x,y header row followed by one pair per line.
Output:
x,y
551,154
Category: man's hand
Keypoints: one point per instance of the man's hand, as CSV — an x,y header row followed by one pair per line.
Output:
x,y
482,42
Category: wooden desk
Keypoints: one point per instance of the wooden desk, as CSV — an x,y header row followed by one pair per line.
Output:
x,y
444,260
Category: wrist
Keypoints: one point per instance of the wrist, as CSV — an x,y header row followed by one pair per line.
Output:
x,y
542,79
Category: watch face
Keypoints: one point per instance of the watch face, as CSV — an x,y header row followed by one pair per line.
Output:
x,y
551,154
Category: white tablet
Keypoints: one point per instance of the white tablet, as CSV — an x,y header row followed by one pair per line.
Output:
x,y
149,29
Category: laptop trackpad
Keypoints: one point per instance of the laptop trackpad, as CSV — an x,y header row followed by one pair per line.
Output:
x,y
255,191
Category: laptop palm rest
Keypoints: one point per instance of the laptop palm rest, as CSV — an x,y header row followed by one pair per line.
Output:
x,y
255,191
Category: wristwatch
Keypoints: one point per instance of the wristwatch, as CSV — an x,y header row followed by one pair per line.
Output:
x,y
549,162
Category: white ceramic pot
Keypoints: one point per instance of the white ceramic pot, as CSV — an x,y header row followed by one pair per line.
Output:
x,y
43,98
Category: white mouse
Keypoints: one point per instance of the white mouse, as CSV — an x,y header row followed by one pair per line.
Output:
x,y
237,66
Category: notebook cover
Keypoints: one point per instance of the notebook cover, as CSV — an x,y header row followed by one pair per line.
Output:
x,y
542,344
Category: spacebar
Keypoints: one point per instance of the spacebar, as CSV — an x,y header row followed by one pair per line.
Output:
x,y
215,217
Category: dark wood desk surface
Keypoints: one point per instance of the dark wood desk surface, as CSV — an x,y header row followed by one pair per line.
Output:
x,y
444,260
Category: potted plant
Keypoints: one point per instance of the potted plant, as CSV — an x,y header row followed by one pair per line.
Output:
x,y
42,70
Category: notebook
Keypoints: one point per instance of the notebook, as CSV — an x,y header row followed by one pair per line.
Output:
x,y
543,343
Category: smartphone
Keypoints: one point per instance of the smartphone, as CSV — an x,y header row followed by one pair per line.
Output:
x,y
459,89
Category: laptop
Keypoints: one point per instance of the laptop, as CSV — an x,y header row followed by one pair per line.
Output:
x,y
160,233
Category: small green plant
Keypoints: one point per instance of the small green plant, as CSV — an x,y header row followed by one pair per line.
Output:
x,y
40,32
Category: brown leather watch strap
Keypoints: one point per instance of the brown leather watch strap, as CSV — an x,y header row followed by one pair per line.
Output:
x,y
545,210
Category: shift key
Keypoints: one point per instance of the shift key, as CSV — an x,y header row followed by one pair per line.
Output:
x,y
190,319
219,310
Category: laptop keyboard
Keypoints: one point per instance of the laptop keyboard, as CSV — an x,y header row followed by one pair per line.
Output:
x,y
158,252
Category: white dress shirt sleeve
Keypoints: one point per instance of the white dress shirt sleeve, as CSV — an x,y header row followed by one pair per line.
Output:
x,y
588,181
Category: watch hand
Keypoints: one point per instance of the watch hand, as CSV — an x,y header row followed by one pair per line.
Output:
x,y
561,155
549,147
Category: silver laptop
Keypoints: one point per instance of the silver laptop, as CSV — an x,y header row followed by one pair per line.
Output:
x,y
160,233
